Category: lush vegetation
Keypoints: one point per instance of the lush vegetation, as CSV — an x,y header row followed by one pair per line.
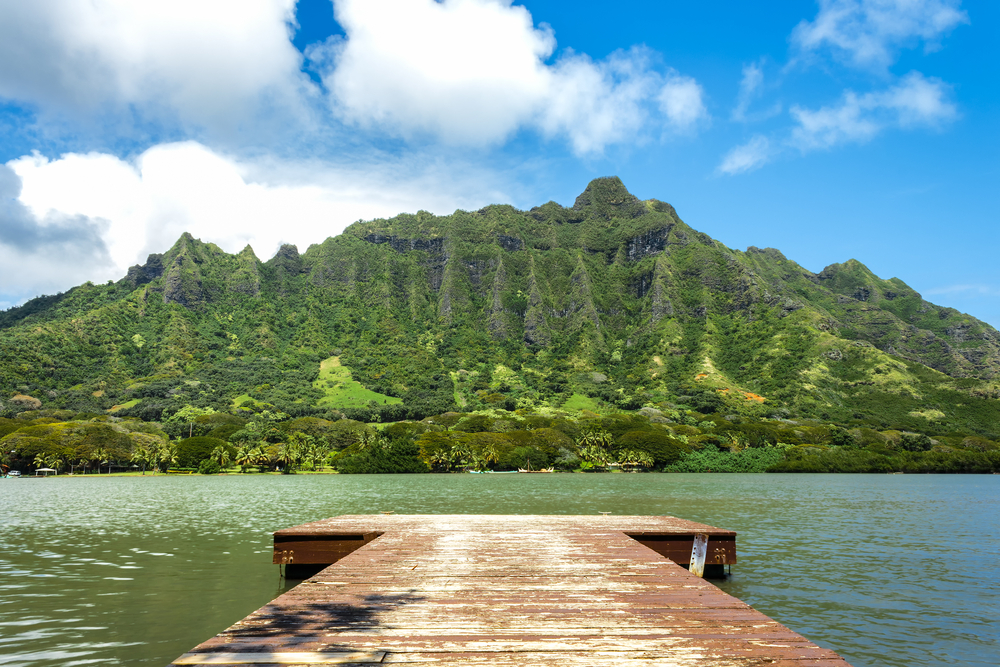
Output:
x,y
667,438
542,330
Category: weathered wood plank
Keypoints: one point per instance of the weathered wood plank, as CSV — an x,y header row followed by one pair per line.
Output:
x,y
286,658
508,591
598,659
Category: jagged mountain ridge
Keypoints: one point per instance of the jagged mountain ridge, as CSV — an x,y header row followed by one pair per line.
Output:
x,y
612,285
936,336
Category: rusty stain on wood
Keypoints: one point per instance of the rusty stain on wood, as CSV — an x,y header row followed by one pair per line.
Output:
x,y
508,591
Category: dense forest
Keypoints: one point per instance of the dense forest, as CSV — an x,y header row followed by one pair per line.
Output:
x,y
606,335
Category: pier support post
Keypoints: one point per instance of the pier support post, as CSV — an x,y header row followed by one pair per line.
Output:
x,y
698,552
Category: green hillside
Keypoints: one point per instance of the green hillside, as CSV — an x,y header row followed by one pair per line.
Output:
x,y
609,305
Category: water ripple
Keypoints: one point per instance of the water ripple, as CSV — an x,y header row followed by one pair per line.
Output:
x,y
892,570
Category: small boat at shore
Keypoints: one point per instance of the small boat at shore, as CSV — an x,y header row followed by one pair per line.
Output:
x,y
493,472
542,470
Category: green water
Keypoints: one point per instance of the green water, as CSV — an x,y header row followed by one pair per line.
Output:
x,y
884,569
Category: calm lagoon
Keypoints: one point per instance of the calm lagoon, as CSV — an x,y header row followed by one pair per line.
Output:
x,y
885,569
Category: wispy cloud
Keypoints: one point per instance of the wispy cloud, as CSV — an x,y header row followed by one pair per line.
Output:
x,y
915,101
866,34
747,157
870,33
974,289
753,78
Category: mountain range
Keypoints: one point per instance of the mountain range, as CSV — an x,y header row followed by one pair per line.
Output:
x,y
611,304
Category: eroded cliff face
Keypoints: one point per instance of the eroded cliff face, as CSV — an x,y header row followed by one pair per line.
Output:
x,y
611,280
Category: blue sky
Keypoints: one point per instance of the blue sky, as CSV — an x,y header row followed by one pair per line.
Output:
x,y
831,130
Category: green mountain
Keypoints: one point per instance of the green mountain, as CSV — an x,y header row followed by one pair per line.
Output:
x,y
613,303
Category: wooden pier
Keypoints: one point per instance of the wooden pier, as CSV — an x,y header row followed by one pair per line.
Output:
x,y
507,591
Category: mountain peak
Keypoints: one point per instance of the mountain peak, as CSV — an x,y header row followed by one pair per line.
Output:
x,y
607,197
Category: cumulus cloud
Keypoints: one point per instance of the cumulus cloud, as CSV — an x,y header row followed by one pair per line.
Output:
x,y
44,254
747,157
916,100
869,33
206,63
119,211
476,71
469,72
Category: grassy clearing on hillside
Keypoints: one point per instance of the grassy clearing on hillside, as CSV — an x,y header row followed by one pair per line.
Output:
x,y
343,391
578,402
248,400
129,404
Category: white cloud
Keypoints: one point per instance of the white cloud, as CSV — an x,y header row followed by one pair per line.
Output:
x,y
869,33
751,155
144,205
753,78
38,255
203,62
468,72
915,100
681,102
475,72
597,104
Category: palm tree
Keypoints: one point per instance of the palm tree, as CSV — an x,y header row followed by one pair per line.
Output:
x,y
246,455
309,453
442,460
594,447
595,454
141,455
220,454
368,440
259,454
601,439
477,462
53,461
101,455
77,461
167,454
491,454
459,455
632,457
738,443
289,454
